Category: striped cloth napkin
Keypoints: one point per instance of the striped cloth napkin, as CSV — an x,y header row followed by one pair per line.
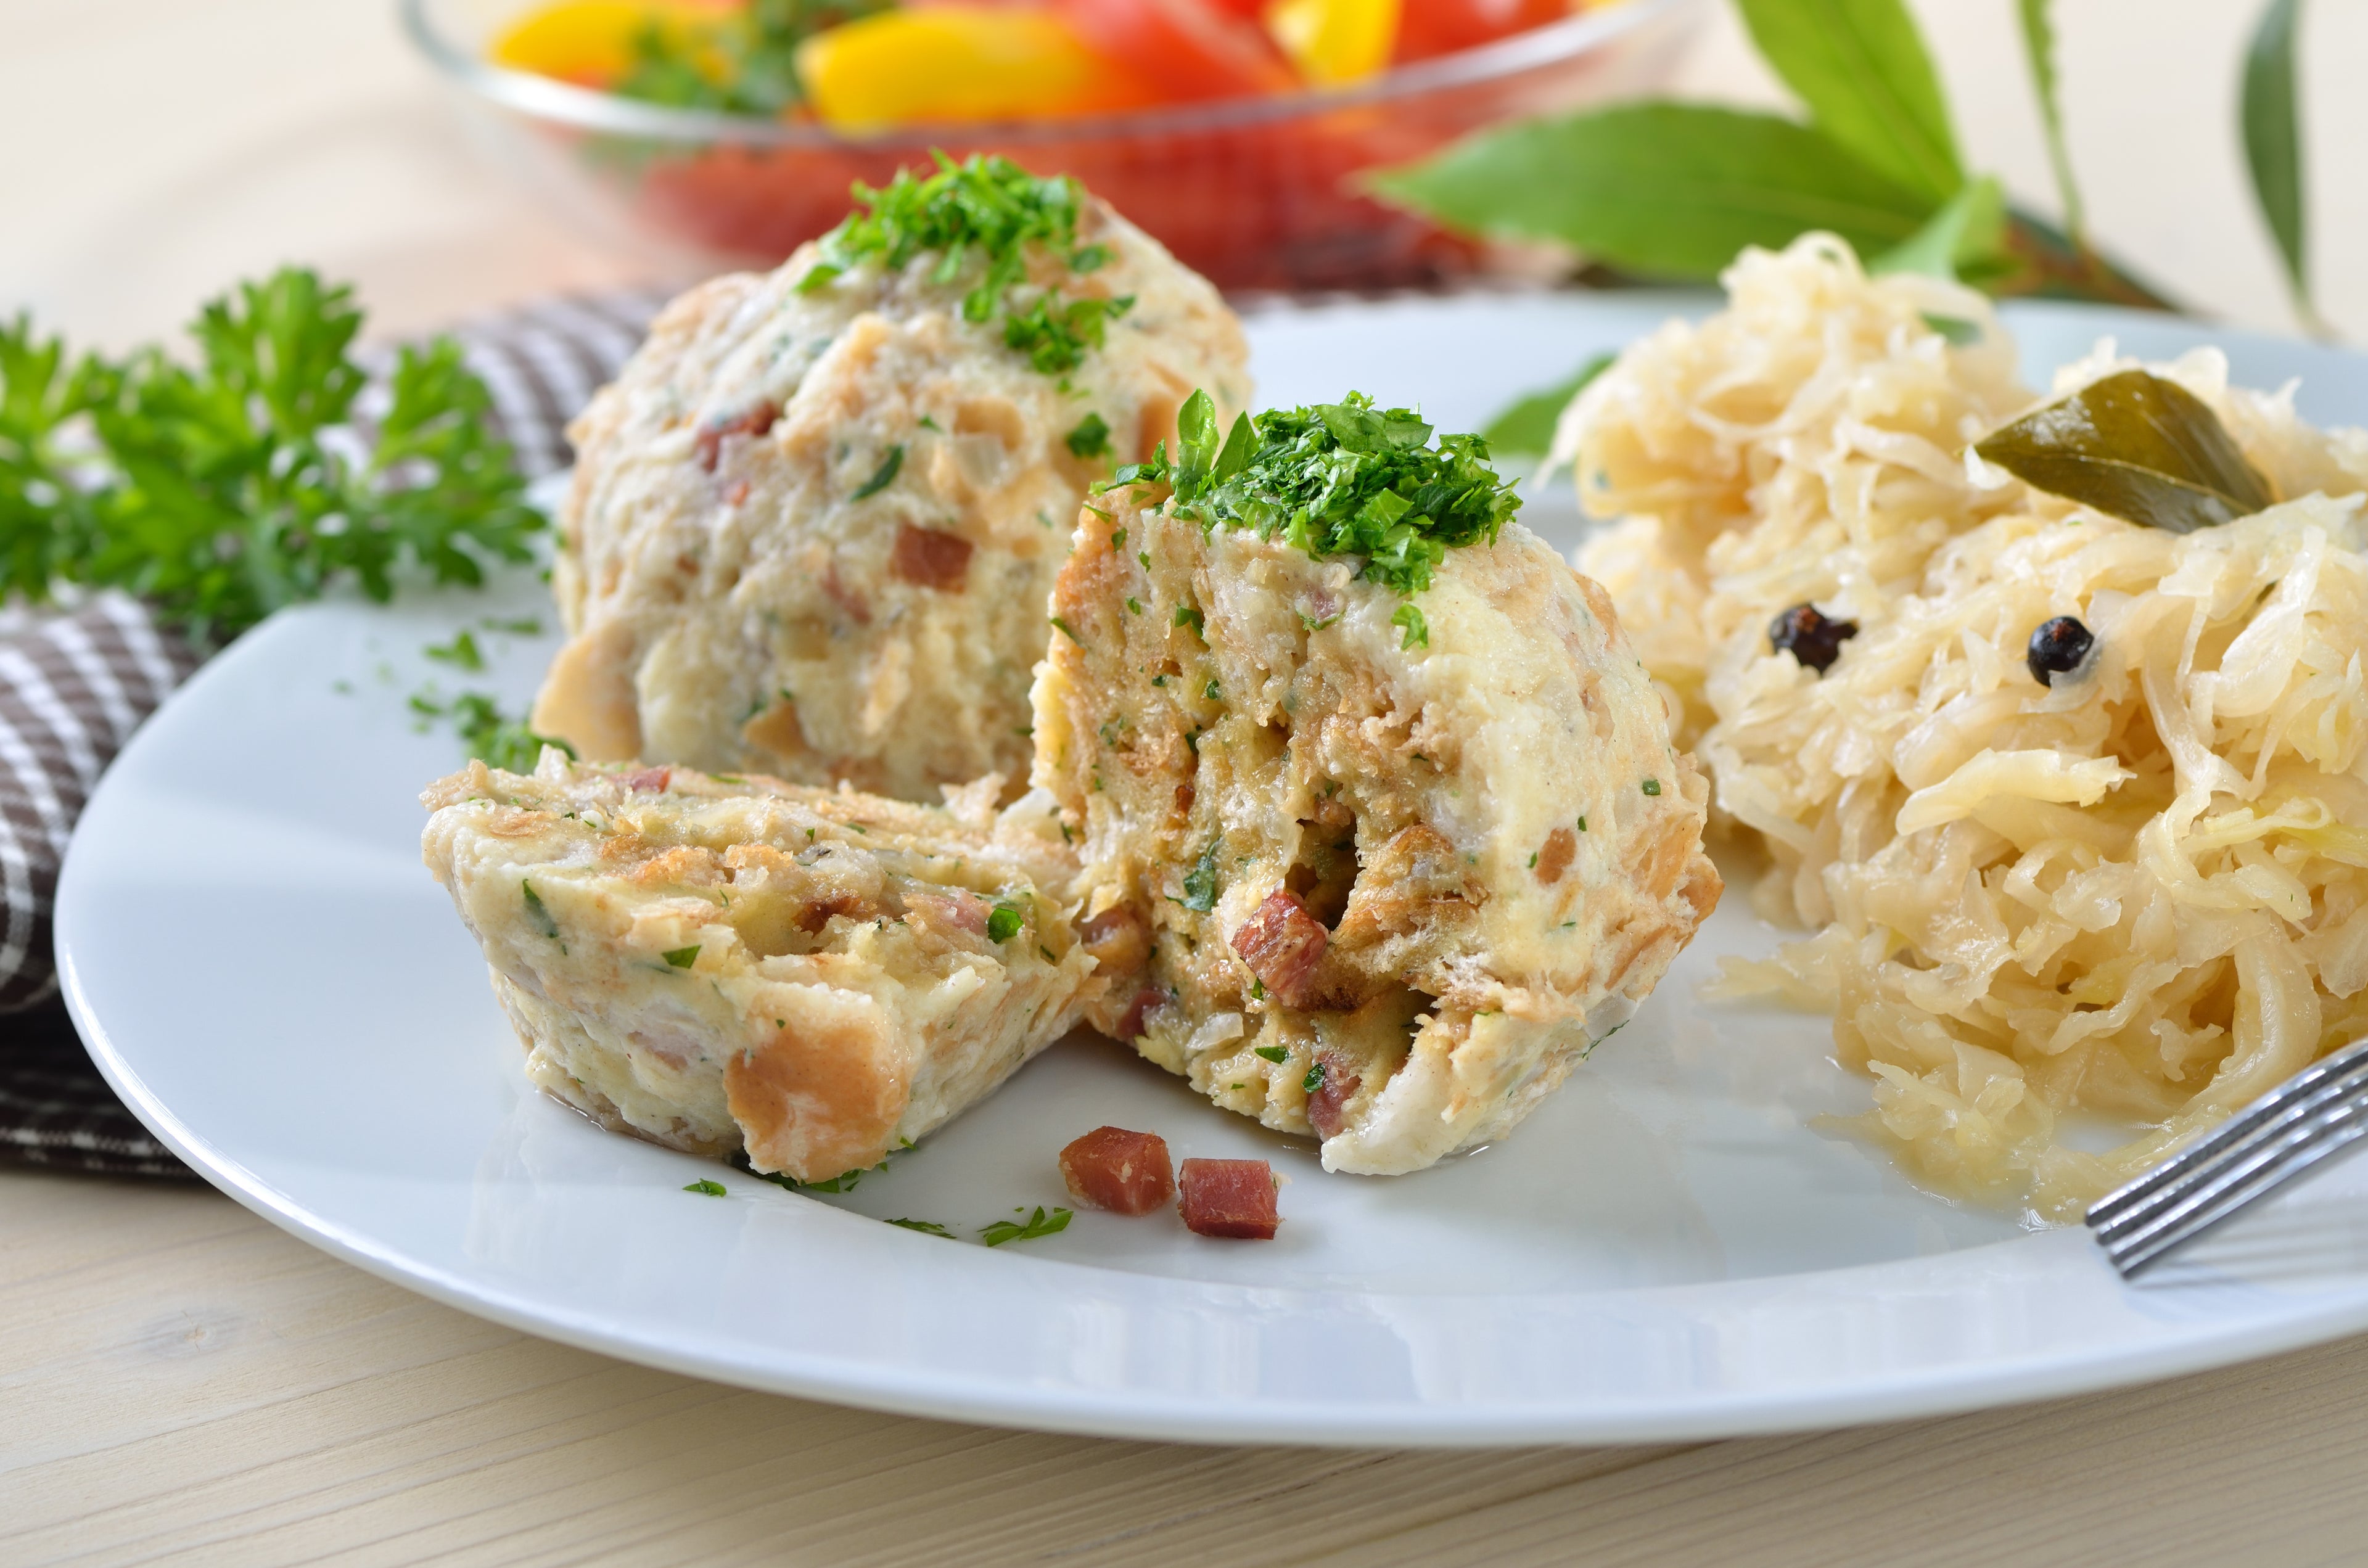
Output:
x,y
75,683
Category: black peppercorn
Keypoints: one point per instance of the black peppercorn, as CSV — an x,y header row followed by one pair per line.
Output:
x,y
1809,637
2057,648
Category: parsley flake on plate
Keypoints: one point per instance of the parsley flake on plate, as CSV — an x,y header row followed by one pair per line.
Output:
x,y
1038,1225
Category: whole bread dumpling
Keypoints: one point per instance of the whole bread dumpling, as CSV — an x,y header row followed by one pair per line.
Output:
x,y
1385,839
815,519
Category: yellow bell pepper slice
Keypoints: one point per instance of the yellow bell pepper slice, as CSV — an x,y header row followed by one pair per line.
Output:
x,y
589,43
955,64
1333,42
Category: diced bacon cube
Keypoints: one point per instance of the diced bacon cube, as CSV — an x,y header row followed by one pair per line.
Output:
x,y
929,558
709,442
1229,1198
1126,1173
650,779
1328,1101
1283,946
1129,1027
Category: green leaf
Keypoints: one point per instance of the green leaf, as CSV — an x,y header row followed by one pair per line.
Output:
x,y
2273,145
1200,882
1661,189
2039,51
1090,439
1860,67
707,1188
2137,447
1412,628
1003,922
681,958
927,1228
1039,1225
1966,236
883,476
1272,1053
537,912
1527,427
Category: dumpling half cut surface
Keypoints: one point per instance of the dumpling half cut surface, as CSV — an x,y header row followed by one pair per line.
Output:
x,y
817,978
815,521
1381,826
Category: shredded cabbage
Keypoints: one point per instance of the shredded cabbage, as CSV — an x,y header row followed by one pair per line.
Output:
x,y
2138,891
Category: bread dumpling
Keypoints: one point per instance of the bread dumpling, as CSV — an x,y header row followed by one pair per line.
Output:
x,y
815,520
814,978
1380,824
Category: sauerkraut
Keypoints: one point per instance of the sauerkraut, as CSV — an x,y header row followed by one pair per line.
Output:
x,y
2136,892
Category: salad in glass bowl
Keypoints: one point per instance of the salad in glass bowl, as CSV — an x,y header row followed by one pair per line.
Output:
x,y
1235,131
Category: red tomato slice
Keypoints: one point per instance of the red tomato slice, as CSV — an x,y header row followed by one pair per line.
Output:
x,y
1426,27
1189,49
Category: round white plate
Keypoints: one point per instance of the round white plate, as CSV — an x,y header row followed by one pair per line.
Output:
x,y
1675,1246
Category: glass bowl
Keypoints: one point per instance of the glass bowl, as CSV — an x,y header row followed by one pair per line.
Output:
x,y
1255,193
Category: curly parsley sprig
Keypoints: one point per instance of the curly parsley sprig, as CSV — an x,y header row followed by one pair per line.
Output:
x,y
223,491
1338,479
990,208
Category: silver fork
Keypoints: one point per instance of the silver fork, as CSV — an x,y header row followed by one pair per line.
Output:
x,y
2316,1114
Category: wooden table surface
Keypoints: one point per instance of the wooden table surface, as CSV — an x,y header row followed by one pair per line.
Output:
x,y
180,1381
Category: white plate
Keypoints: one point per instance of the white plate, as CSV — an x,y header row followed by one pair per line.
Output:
x,y
1671,1248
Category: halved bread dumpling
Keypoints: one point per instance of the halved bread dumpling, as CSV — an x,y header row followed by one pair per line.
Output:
x,y
1374,865
721,964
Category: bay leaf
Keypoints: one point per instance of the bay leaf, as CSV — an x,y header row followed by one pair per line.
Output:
x,y
2269,115
2134,445
1526,428
1662,190
1862,69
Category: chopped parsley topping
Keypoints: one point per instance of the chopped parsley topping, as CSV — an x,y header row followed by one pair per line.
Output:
x,y
1004,923
1258,989
1582,825
1038,1227
681,958
992,208
883,476
1200,883
1062,626
1090,439
1210,691
707,1188
1272,1053
1056,336
927,1228
1342,479
1186,615
538,911
1412,626
1134,604
1652,786
1314,1079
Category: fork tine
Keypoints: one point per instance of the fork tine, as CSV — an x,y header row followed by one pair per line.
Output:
x,y
2205,1184
2163,1202
2220,1192
2312,1085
